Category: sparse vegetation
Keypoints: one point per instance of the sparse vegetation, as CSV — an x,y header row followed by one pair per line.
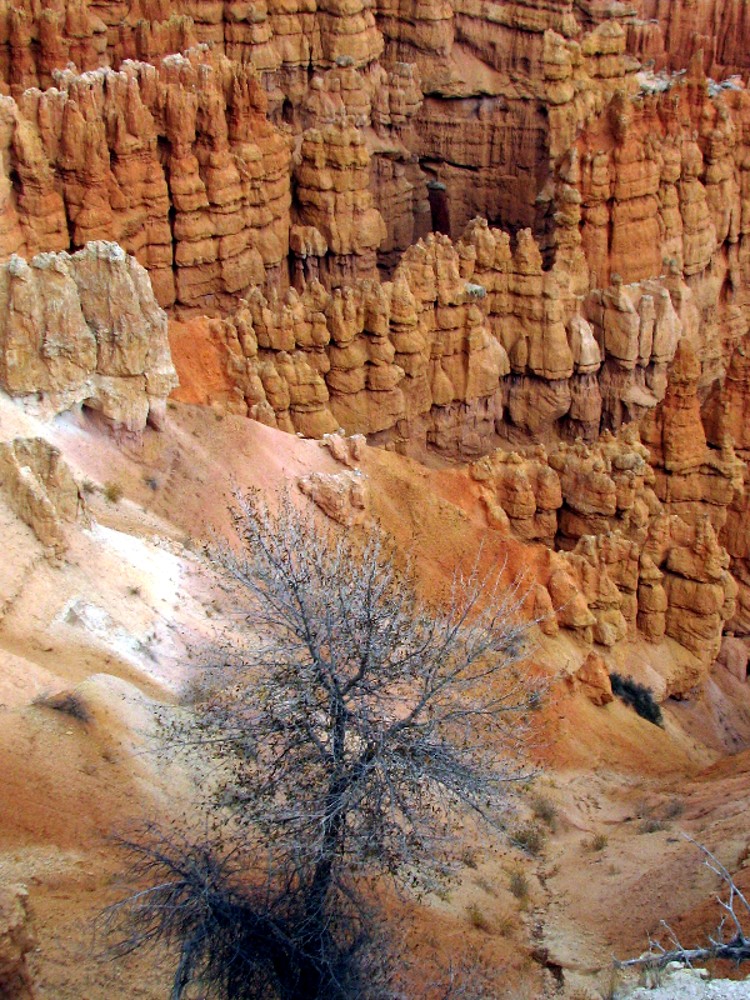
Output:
x,y
530,837
152,482
113,492
89,487
477,918
468,857
134,591
518,884
729,941
638,696
673,809
544,809
66,702
335,784
504,924
485,885
597,842
651,825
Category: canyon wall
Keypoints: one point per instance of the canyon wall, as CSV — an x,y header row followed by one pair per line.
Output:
x,y
673,32
512,233
213,133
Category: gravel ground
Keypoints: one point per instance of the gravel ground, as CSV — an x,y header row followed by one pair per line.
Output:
x,y
688,984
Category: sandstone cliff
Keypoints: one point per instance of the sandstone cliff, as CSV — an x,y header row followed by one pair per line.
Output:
x,y
84,330
280,167
456,111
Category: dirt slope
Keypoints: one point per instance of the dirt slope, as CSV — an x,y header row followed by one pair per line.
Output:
x,y
119,619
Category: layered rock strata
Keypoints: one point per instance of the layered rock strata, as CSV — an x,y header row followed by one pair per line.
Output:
x,y
414,354
631,553
178,163
85,330
293,155
486,102
469,343
672,32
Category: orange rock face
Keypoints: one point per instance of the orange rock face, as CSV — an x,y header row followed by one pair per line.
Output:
x,y
593,680
450,227
672,32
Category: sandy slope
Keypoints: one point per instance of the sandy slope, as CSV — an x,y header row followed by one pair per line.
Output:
x,y
121,619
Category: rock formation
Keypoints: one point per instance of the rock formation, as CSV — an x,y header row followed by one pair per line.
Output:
x,y
340,495
40,488
624,558
85,330
672,33
529,114
451,228
592,679
16,941
409,360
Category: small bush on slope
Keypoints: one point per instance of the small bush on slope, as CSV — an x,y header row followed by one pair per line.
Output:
x,y
638,696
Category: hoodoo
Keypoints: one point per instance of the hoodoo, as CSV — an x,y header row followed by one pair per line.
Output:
x,y
463,287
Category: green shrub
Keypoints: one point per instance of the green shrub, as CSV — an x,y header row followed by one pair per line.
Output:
x,y
638,696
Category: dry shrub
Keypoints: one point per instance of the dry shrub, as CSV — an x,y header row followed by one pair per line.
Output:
x,y
67,702
651,825
113,492
673,809
530,837
468,857
518,884
597,842
478,918
545,810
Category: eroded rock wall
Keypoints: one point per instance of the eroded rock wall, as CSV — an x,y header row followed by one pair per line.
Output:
x,y
280,166
177,162
40,488
484,102
672,32
85,330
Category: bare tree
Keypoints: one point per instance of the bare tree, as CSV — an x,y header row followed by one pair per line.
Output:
x,y
239,933
355,717
362,715
729,941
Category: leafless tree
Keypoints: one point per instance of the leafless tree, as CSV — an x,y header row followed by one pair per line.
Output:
x,y
355,717
362,715
729,941
239,933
